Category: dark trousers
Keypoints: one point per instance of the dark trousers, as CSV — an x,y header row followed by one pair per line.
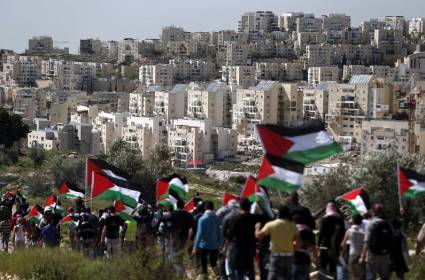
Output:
x,y
280,267
212,255
327,263
263,258
241,262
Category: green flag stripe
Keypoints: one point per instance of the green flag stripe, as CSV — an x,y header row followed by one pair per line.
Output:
x,y
312,155
280,185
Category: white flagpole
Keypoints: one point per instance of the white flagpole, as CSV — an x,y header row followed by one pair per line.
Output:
x,y
400,201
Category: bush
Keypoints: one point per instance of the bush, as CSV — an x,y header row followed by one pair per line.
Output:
x,y
69,265
37,155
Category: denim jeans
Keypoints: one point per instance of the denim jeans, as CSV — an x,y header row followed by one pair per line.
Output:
x,y
301,272
378,265
280,267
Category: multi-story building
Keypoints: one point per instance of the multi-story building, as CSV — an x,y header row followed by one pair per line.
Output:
x,y
209,103
377,135
292,109
417,27
318,55
192,70
109,127
172,104
317,75
258,22
241,76
128,50
30,103
195,143
364,97
288,21
336,22
237,54
142,100
256,105
315,101
159,74
40,45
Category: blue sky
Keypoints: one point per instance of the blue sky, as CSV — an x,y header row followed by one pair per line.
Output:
x,y
70,20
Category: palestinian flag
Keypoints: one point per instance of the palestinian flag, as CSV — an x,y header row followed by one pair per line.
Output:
x,y
227,197
35,216
175,186
168,201
102,167
257,194
358,200
304,144
68,220
123,210
190,206
53,204
411,183
105,188
67,190
281,174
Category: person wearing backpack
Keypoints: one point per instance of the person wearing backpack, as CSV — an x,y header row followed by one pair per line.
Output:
x,y
379,239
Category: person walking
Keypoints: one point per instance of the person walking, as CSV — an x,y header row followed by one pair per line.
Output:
x,y
5,234
180,223
353,244
110,233
208,239
303,213
400,251
332,230
19,235
240,246
284,239
304,253
378,244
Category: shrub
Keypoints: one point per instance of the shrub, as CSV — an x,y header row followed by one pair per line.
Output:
x,y
69,265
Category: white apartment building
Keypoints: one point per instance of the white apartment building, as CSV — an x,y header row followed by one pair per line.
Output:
x,y
196,143
172,104
317,75
142,100
377,135
315,101
128,50
364,97
336,22
109,127
258,22
192,70
241,76
209,103
237,54
256,105
143,133
159,74
318,55
417,26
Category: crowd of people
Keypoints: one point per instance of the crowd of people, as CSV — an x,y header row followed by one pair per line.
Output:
x,y
231,242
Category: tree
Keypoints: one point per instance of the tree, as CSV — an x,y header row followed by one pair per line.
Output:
x,y
37,155
377,173
123,156
12,129
66,168
39,185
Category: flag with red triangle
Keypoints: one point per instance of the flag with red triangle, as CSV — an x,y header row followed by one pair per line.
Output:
x,y
257,194
358,200
281,174
35,215
70,191
227,197
304,144
411,183
190,206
